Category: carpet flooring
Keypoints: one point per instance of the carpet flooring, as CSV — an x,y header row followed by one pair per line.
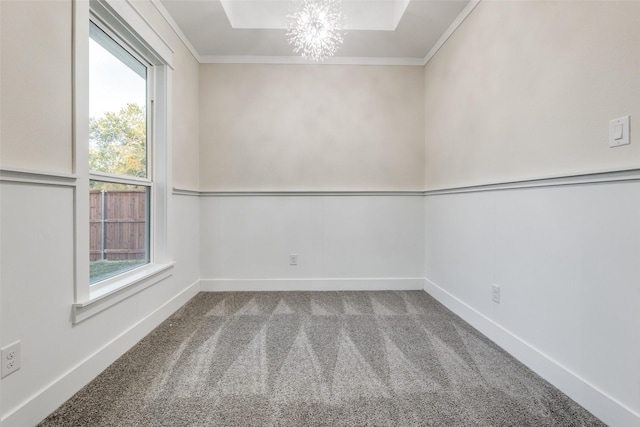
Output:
x,y
317,359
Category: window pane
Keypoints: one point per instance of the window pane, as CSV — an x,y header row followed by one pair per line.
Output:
x,y
119,231
117,108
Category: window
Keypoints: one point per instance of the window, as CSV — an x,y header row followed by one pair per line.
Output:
x,y
119,170
122,73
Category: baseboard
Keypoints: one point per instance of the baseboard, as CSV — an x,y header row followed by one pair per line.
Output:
x,y
248,285
55,394
597,402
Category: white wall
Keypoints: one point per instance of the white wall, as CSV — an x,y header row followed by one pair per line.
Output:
x,y
38,292
37,214
311,127
345,242
516,82
525,90
566,260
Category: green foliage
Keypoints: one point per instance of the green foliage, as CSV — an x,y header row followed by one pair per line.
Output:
x,y
117,142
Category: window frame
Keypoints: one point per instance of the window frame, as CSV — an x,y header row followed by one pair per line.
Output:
x,y
123,22
147,181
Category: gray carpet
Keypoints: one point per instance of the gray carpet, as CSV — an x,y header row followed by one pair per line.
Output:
x,y
317,358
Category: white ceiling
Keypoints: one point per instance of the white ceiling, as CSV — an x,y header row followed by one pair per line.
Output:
x,y
377,31
379,15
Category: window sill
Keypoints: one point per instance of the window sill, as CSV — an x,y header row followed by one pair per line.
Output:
x,y
119,290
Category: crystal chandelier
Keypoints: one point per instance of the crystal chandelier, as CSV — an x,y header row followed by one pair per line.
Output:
x,y
315,28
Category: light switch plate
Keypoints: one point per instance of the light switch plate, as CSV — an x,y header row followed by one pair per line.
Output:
x,y
616,124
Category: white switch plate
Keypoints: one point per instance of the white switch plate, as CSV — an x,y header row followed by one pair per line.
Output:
x,y
293,259
616,123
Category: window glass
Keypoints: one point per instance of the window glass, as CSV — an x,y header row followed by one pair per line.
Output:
x,y
119,229
119,185
117,108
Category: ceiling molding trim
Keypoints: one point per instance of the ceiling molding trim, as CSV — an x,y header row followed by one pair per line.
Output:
x,y
452,28
172,23
298,60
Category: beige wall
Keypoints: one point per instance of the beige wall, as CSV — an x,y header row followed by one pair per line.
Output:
x,y
35,56
36,131
36,67
527,89
293,127
186,142
521,90
185,139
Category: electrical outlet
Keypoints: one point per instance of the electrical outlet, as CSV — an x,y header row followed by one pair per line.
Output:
x,y
293,259
10,358
495,293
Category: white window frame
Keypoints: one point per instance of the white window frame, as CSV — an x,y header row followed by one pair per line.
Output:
x,y
148,181
124,21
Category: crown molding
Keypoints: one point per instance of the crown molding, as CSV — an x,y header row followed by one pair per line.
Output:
x,y
297,60
452,29
176,29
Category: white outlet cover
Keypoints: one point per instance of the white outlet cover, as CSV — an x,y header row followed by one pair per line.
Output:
x,y
10,353
495,293
617,123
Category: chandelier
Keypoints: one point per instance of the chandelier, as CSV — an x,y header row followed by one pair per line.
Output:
x,y
315,28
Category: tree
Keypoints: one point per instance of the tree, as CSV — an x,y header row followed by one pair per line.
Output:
x,y
117,142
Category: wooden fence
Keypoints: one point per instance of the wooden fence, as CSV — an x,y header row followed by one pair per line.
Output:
x,y
118,227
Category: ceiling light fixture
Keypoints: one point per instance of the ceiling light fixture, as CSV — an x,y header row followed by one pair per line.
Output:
x,y
315,28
